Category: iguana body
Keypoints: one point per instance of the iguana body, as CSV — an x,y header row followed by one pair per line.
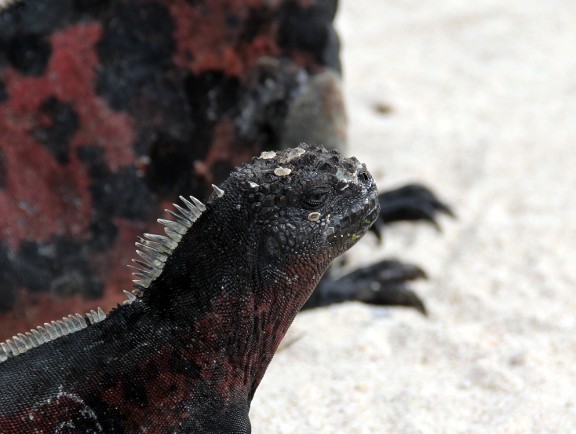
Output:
x,y
188,354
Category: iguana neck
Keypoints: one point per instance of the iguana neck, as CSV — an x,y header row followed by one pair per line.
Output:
x,y
229,306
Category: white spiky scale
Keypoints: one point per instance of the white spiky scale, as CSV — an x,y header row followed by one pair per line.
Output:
x,y
173,226
74,322
45,335
219,192
161,239
138,271
71,322
101,314
27,342
158,247
145,247
130,297
33,339
69,327
148,275
13,347
140,276
146,268
38,336
151,259
81,320
143,283
51,331
63,329
174,235
194,209
179,218
185,212
3,353
156,256
96,316
198,203
20,344
155,273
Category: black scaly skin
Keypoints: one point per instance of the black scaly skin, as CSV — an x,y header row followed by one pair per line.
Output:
x,y
189,353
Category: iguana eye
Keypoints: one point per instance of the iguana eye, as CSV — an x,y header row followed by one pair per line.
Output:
x,y
315,197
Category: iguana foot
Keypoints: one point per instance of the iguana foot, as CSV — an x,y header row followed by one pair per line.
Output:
x,y
409,203
383,283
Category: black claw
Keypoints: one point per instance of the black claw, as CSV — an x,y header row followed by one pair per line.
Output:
x,y
394,295
383,283
413,202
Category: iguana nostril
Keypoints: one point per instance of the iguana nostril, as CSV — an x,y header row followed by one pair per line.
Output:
x,y
363,177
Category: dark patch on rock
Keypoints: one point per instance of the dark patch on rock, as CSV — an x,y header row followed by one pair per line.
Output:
x,y
7,280
137,76
29,53
219,95
3,170
104,234
122,193
170,170
257,20
221,169
3,92
60,267
134,52
309,29
91,7
38,17
211,96
61,121
264,103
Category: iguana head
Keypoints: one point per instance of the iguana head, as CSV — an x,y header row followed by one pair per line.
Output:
x,y
271,229
307,205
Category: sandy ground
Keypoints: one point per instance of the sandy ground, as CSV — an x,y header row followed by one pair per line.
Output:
x,y
483,100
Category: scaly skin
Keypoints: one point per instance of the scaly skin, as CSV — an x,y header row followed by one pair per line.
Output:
x,y
188,354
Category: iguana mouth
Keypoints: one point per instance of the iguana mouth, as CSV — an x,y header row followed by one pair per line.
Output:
x,y
355,223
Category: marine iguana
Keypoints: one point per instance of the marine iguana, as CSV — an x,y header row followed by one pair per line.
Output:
x,y
109,110
213,299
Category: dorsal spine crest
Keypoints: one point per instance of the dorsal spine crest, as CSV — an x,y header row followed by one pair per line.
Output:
x,y
153,251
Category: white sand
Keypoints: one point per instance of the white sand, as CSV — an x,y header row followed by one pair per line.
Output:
x,y
484,110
